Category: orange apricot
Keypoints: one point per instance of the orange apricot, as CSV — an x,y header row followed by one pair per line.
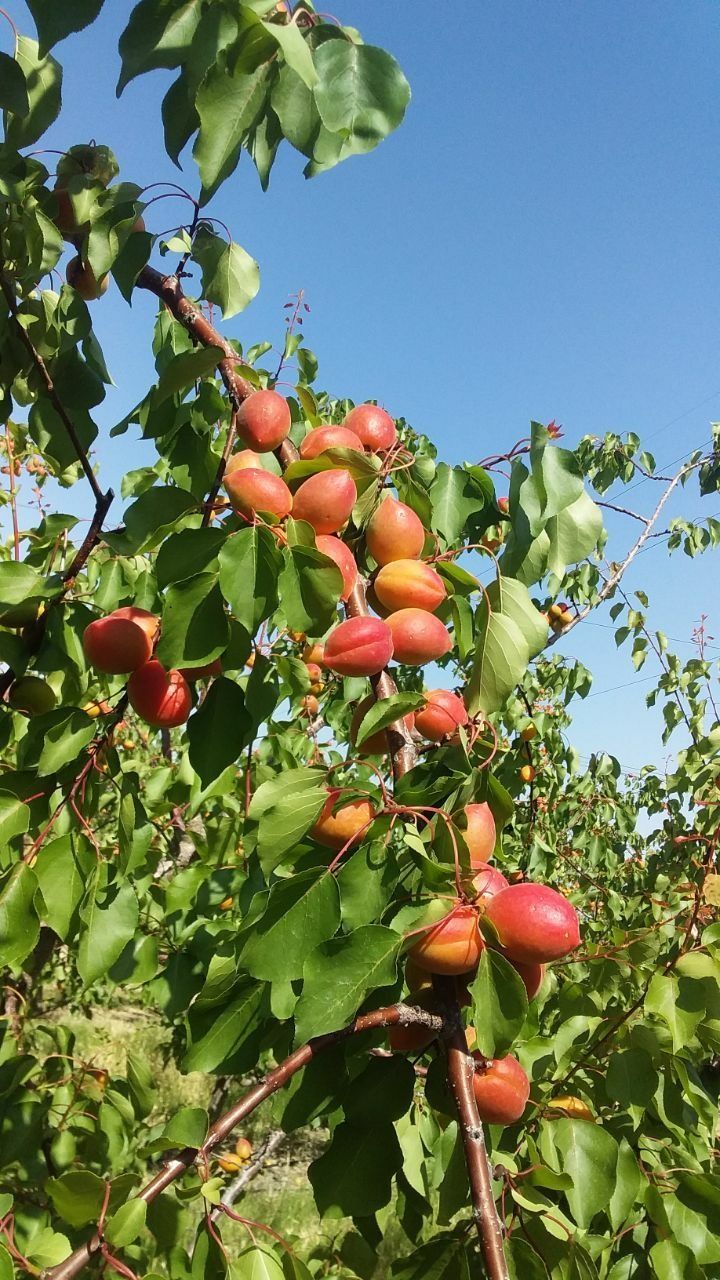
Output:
x,y
122,641
359,647
314,671
336,549
263,421
253,490
488,881
341,824
480,833
373,425
501,1089
161,698
452,946
322,438
407,584
314,652
418,637
533,922
394,532
243,460
568,1104
527,773
532,975
442,714
325,500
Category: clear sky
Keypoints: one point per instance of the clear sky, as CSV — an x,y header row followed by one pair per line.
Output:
x,y
538,240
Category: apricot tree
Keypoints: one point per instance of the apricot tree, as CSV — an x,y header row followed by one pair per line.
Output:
x,y
496,996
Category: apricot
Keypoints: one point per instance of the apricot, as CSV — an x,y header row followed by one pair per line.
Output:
x,y
533,922
81,277
532,974
377,744
210,669
325,500
314,671
418,637
338,826
322,438
122,641
95,709
336,549
32,695
501,1089
394,532
373,425
527,773
442,714
226,904
569,1105
65,218
242,460
231,1163
406,584
310,706
161,698
243,1148
480,834
488,880
359,647
314,653
452,946
251,490
263,421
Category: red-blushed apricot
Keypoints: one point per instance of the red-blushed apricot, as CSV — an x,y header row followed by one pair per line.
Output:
x,y
532,974
373,425
480,833
501,1089
377,744
314,671
407,584
394,532
210,669
452,946
314,653
322,438
418,637
359,647
336,549
325,500
161,698
65,218
414,1037
339,823
488,881
122,641
81,277
244,460
263,421
252,490
533,922
443,713
504,504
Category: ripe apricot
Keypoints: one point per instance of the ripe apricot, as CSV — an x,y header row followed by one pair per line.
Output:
x,y
32,695
322,438
81,277
569,1105
210,669
263,421
373,425
359,647
161,698
314,653
418,637
226,904
251,490
243,460
336,826
122,641
314,671
501,1089
65,218
325,500
488,881
336,549
377,744
407,584
528,733
532,975
527,773
533,922
415,977
95,709
394,532
310,706
442,714
480,833
452,946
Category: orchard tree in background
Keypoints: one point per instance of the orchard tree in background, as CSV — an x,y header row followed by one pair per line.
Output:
x,y
278,767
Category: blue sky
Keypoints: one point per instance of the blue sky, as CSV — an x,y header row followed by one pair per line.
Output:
x,y
538,240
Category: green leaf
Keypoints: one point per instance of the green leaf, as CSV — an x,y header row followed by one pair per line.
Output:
x,y
589,1156
444,1258
573,534
361,93
63,869
56,21
185,369
671,1260
219,729
457,495
77,1196
230,277
13,87
285,808
7,1270
367,881
301,913
159,34
195,626
14,818
385,712
309,588
127,1223
108,928
228,104
500,1004
64,741
19,925
382,1093
250,566
18,583
154,512
43,80
295,49
339,975
216,1035
187,1128
353,1176
510,632
47,1248
680,1003
184,554
255,1263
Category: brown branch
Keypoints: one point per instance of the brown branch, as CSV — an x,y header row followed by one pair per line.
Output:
x,y
460,1070
393,1015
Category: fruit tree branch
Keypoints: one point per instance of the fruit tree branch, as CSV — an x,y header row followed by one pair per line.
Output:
x,y
392,1015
